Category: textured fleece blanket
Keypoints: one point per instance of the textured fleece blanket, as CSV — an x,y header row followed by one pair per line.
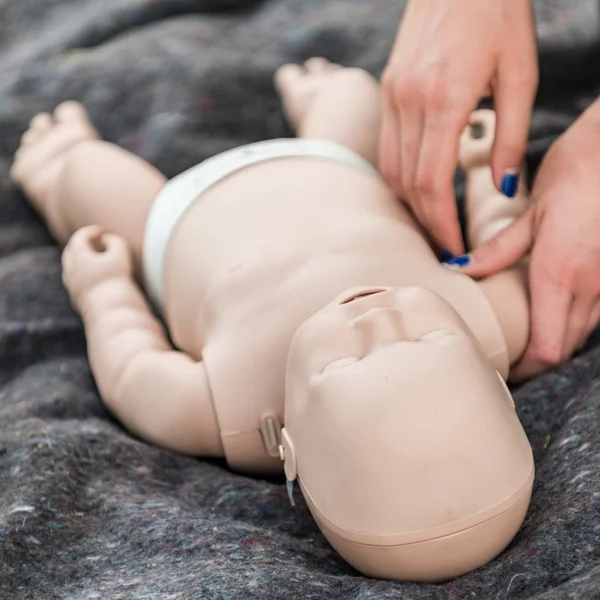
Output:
x,y
86,510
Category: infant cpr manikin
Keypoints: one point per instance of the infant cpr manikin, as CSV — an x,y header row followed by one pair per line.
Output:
x,y
314,330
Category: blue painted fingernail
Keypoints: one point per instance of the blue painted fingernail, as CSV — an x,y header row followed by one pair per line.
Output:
x,y
458,262
510,183
446,255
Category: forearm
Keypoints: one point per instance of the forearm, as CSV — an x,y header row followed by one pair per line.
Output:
x,y
508,294
158,393
119,326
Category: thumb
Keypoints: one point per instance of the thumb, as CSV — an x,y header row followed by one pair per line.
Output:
x,y
503,250
514,94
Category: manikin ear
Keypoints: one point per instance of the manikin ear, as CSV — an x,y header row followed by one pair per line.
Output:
x,y
288,455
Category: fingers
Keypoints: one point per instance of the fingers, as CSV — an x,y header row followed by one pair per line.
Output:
x,y
103,249
561,323
410,120
591,326
114,245
433,186
503,250
514,94
389,153
410,140
419,152
81,238
551,306
578,327
593,318
94,239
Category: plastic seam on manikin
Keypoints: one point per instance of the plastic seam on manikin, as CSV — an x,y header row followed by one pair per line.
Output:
x,y
215,411
179,194
256,432
501,354
422,535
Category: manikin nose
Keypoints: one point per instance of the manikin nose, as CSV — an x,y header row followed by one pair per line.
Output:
x,y
380,327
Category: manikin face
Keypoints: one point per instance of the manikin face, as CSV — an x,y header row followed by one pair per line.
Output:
x,y
389,387
370,330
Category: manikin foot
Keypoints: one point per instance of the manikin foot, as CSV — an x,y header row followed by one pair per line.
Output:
x,y
300,85
40,159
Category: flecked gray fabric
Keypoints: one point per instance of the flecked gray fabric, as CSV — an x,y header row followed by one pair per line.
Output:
x,y
86,511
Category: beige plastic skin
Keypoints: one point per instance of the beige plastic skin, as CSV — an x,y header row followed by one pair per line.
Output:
x,y
488,212
440,443
411,458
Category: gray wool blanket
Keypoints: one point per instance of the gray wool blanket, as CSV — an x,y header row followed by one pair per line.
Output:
x,y
86,510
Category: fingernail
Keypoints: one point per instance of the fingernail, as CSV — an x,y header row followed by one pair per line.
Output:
x,y
446,255
510,183
459,262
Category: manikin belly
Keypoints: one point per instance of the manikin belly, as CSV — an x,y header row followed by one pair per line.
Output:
x,y
271,219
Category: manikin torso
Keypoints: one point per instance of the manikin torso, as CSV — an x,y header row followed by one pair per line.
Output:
x,y
305,230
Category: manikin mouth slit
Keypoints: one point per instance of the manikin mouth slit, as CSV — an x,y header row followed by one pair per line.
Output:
x,y
362,294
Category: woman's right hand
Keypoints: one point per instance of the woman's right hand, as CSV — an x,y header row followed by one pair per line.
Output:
x,y
449,54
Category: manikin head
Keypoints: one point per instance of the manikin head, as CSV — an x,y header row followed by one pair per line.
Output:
x,y
401,434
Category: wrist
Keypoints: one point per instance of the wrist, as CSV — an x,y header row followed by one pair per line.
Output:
x,y
102,295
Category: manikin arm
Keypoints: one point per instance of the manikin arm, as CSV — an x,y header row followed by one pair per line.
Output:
x,y
488,212
159,394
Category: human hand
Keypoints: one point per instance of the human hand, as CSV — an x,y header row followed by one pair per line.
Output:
x,y
448,55
92,257
562,227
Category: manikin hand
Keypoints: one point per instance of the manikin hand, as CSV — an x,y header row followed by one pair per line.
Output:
x,y
563,226
450,54
91,258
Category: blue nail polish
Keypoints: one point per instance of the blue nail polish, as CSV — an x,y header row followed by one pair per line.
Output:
x,y
459,261
510,183
446,255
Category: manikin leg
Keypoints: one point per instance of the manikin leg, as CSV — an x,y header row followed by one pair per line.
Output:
x,y
84,187
74,179
323,100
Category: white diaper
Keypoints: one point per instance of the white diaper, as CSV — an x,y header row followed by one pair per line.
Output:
x,y
178,194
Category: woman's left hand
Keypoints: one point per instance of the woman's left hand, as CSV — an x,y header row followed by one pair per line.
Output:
x,y
562,230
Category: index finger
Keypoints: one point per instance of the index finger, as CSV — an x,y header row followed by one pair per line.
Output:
x,y
389,155
438,159
551,304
